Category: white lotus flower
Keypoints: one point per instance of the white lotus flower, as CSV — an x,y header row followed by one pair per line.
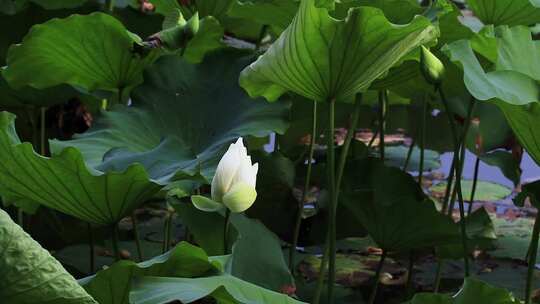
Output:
x,y
233,185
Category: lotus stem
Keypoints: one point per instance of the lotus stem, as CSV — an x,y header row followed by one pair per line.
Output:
x,y
409,154
116,242
382,121
298,222
167,231
533,249
422,141
226,231
438,274
322,274
347,143
331,164
92,251
410,275
137,238
475,182
262,34
109,6
373,294
20,217
449,183
459,171
42,129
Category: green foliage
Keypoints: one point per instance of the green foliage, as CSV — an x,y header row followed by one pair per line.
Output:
x,y
514,78
508,12
223,288
112,285
315,56
473,291
65,183
161,132
94,52
396,220
30,274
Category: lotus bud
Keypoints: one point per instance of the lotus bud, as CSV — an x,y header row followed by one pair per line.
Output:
x,y
432,68
234,182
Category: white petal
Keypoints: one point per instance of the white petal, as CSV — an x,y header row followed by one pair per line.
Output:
x,y
254,170
244,173
240,197
225,172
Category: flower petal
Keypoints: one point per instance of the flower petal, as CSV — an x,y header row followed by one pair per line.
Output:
x,y
240,197
225,172
203,203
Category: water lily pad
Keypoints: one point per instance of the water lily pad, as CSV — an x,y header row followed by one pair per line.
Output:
x,y
485,191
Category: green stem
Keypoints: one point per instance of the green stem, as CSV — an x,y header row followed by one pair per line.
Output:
x,y
409,154
438,275
459,172
475,182
226,232
92,250
382,121
533,248
422,141
346,144
298,222
410,276
377,276
42,131
322,274
262,34
331,164
372,140
451,121
136,235
167,232
116,242
109,5
449,182
20,217
334,193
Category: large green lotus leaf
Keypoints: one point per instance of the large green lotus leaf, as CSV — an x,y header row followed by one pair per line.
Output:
x,y
276,206
58,4
515,76
65,183
398,219
472,291
93,52
215,8
397,11
525,122
207,39
184,116
112,285
30,96
508,12
276,13
320,57
256,254
223,288
30,274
